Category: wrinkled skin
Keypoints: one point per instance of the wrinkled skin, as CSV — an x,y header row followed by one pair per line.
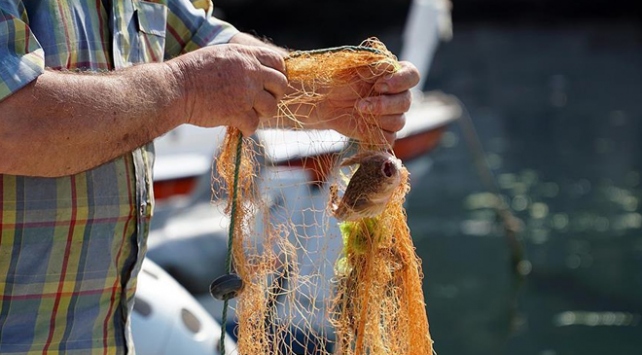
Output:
x,y
376,118
231,84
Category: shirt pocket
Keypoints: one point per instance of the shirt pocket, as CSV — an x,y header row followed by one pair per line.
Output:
x,y
151,21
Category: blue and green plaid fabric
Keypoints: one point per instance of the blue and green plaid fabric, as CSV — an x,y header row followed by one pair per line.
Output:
x,y
71,247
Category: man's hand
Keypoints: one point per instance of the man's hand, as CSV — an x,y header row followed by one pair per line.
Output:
x,y
371,110
234,85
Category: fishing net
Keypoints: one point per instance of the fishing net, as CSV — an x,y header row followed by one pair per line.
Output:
x,y
318,276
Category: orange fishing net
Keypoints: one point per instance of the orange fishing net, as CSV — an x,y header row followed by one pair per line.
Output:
x,y
311,283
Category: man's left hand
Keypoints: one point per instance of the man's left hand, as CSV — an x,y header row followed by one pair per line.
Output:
x,y
371,110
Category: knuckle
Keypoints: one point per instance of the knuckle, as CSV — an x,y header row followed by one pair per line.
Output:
x,y
372,106
380,105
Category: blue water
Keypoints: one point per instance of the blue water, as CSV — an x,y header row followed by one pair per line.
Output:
x,y
558,108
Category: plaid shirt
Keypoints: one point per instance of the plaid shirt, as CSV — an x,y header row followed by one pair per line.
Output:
x,y
71,247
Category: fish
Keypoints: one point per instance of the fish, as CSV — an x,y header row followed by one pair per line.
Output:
x,y
370,187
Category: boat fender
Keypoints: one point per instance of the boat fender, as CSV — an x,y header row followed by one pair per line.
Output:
x,y
226,287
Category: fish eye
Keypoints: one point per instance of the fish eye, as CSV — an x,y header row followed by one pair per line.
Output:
x,y
388,169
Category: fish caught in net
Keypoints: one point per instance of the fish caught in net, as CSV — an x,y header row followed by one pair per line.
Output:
x,y
326,259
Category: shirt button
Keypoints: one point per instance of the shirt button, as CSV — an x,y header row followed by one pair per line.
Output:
x,y
143,209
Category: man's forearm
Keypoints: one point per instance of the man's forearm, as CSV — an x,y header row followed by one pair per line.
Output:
x,y
65,123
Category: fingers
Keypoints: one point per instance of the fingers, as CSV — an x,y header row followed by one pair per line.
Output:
x,y
275,83
403,79
372,134
384,131
374,72
274,86
385,104
394,99
391,123
265,104
274,73
270,58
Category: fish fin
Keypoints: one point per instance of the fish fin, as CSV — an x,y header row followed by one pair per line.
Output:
x,y
357,158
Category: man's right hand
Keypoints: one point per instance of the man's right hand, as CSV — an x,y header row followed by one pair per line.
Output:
x,y
230,84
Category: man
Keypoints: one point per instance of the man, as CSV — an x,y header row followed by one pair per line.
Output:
x,y
85,86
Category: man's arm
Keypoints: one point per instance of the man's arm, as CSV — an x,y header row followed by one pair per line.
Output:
x,y
64,123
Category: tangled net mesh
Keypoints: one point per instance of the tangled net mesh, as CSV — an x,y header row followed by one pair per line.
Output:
x,y
313,285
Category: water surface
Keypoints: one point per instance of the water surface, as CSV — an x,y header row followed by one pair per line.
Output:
x,y
558,109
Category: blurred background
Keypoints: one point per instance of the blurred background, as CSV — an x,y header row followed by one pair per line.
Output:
x,y
554,88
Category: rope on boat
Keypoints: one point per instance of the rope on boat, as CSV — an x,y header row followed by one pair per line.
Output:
x,y
230,237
